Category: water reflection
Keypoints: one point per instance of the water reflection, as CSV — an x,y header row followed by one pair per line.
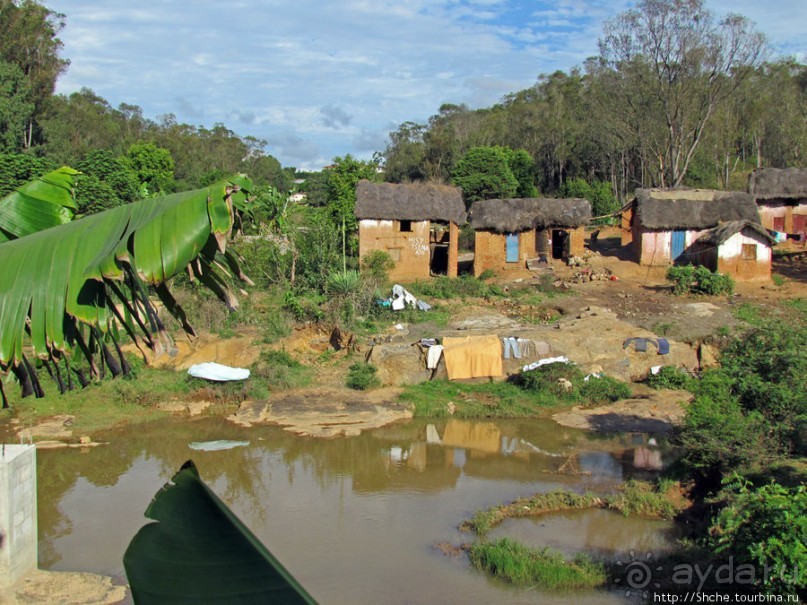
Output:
x,y
354,519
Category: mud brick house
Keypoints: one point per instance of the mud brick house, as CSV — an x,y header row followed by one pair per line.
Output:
x,y
666,223
741,249
510,232
416,224
781,197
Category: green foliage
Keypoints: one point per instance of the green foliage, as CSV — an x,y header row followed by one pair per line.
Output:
x,y
173,559
539,567
378,264
114,172
342,283
16,169
599,193
718,436
94,195
449,288
549,379
362,377
277,369
766,367
642,498
483,173
670,377
699,280
522,166
16,107
604,389
767,527
152,166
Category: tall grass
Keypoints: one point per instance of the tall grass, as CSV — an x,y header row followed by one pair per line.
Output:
x,y
540,567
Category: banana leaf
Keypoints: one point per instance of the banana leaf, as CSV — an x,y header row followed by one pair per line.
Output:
x,y
42,203
198,551
57,278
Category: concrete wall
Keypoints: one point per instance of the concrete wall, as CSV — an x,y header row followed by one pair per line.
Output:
x,y
18,523
654,247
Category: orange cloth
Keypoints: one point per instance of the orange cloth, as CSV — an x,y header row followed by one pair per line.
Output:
x,y
473,356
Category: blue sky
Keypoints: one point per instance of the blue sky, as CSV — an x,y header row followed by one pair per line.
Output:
x,y
323,79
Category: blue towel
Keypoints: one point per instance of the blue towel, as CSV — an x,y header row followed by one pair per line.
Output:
x,y
663,346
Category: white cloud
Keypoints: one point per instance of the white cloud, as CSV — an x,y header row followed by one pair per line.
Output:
x,y
319,80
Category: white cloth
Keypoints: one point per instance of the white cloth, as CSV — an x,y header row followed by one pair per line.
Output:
x,y
544,362
433,356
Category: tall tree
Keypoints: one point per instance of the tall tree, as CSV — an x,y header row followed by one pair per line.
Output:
x,y
343,177
16,107
29,40
672,66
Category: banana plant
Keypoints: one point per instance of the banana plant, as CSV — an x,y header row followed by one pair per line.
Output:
x,y
75,284
198,551
44,202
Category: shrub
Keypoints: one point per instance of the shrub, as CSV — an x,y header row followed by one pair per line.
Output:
x,y
768,528
604,388
699,280
362,376
670,377
378,264
546,378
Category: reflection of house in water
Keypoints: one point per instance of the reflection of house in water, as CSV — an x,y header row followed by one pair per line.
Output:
x,y
435,456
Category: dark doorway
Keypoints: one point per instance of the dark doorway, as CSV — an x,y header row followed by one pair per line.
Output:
x,y
560,243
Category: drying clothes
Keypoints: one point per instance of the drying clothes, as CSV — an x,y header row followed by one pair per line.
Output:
x,y
473,356
433,356
401,298
663,346
428,342
640,344
545,362
526,346
423,306
511,345
542,349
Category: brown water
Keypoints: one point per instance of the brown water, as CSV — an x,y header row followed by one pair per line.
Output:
x,y
355,520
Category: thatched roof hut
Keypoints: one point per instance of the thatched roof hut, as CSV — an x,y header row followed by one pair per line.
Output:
x,y
694,209
777,183
721,233
409,202
514,215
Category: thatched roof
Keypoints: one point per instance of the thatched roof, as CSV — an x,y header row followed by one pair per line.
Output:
x,y
409,202
718,235
776,183
692,208
514,215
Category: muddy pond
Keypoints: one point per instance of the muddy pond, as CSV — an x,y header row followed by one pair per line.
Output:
x,y
357,520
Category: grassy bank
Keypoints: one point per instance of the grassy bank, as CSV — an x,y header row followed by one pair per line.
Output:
x,y
532,393
540,567
634,498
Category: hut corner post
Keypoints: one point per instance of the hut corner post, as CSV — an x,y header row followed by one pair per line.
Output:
x,y
453,249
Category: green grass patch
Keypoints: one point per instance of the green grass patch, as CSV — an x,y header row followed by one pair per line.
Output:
x,y
635,498
441,398
643,498
539,567
278,370
670,377
485,520
462,287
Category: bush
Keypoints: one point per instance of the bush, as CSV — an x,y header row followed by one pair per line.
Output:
x,y
378,264
362,376
768,528
546,379
699,280
670,377
603,389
